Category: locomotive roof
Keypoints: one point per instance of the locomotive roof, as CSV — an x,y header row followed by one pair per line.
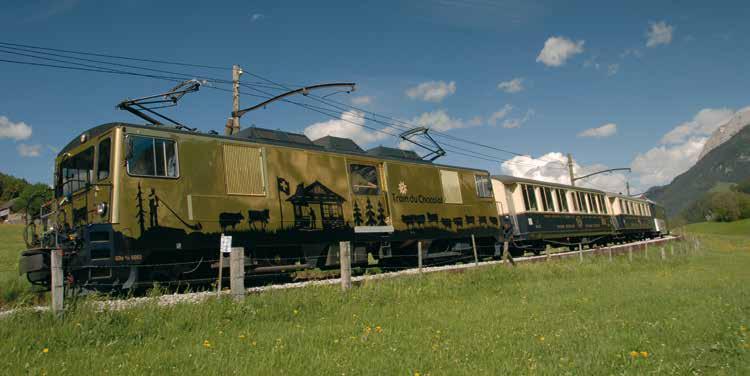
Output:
x,y
331,144
508,179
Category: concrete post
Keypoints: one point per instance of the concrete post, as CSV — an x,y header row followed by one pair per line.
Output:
x,y
474,247
57,281
237,273
346,265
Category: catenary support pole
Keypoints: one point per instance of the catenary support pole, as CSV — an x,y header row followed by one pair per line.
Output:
x,y
237,273
474,247
57,281
346,265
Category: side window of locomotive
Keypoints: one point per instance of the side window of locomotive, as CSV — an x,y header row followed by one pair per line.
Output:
x,y
102,160
451,187
484,186
529,197
364,179
148,156
77,172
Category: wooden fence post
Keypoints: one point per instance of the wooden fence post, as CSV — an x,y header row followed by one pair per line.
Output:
x,y
663,253
547,249
474,246
645,250
346,265
630,253
237,273
419,255
57,281
609,250
671,249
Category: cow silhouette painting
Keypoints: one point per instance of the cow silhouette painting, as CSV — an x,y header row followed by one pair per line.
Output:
x,y
261,216
230,220
314,199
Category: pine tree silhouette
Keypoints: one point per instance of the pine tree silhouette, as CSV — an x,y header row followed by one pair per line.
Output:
x,y
381,214
140,214
370,214
357,215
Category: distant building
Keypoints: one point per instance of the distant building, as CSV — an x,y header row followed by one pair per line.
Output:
x,y
6,210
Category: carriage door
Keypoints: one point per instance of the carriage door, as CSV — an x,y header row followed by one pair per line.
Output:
x,y
370,212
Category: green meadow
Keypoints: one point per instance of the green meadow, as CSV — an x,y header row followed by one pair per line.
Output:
x,y
688,314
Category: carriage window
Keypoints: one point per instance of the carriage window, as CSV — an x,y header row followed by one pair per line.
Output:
x,y
484,186
561,200
574,199
148,156
602,204
77,172
451,187
529,197
547,199
582,202
364,179
102,160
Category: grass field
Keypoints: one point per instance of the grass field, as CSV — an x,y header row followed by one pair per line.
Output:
x,y
686,315
14,289
737,228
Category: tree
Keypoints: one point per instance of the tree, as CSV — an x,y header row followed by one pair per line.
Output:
x,y
725,206
33,196
357,215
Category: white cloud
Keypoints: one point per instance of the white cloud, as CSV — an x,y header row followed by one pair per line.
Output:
x,y
557,50
659,33
552,167
631,52
256,17
513,86
475,121
362,100
432,91
704,123
518,122
25,150
612,69
661,164
499,115
16,131
605,130
350,125
439,120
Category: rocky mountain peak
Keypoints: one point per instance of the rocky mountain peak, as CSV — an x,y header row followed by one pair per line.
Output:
x,y
722,134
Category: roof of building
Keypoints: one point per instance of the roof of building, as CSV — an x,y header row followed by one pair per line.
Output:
x,y
338,144
8,204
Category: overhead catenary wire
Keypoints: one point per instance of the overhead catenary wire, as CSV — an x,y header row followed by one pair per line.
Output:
x,y
177,76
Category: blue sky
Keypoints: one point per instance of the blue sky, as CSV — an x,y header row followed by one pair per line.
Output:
x,y
599,69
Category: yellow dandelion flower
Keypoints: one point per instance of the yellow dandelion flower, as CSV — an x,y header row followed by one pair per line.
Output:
x,y
254,343
296,311
644,354
242,336
634,354
379,329
206,344
368,329
541,338
416,373
45,350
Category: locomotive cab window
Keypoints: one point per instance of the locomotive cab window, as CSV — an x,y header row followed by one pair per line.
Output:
x,y
484,186
102,159
364,179
76,173
152,157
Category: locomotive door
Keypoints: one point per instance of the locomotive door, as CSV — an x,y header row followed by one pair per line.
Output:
x,y
99,196
370,212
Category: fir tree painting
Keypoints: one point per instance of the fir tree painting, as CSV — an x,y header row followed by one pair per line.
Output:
x,y
370,214
357,215
381,214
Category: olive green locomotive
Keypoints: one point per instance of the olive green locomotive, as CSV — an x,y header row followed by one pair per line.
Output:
x,y
142,204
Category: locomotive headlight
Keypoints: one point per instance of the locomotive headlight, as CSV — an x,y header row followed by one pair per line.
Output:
x,y
101,208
